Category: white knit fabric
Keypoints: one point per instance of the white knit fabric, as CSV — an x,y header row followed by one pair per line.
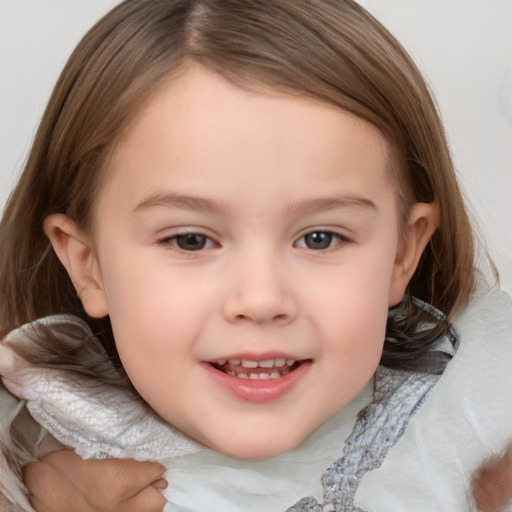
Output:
x,y
467,419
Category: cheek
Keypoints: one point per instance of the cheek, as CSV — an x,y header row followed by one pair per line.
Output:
x,y
350,309
355,331
146,293
352,297
157,316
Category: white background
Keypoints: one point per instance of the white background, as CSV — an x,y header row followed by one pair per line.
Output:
x,y
464,47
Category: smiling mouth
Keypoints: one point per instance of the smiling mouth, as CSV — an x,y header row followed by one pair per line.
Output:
x,y
257,370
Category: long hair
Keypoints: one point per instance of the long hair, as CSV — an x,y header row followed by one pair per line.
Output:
x,y
330,50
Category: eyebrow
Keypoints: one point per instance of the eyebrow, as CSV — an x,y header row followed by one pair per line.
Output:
x,y
310,206
181,202
306,207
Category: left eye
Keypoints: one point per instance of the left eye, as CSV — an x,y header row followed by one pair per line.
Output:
x,y
190,242
318,240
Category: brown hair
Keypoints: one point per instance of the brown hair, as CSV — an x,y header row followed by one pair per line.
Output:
x,y
330,50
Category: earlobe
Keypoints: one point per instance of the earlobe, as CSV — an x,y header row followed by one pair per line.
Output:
x,y
76,253
423,222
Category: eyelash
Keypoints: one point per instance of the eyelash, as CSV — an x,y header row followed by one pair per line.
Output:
x,y
326,239
173,242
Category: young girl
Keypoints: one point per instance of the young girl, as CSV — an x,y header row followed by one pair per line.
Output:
x,y
239,248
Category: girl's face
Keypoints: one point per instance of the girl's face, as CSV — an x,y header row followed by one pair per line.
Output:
x,y
246,249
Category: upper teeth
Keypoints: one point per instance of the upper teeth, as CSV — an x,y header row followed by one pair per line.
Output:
x,y
248,363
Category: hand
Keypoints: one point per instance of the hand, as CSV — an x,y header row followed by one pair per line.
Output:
x,y
63,482
492,485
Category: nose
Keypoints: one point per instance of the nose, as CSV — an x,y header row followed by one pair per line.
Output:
x,y
260,292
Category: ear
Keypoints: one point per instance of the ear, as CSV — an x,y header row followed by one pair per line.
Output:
x,y
76,253
423,221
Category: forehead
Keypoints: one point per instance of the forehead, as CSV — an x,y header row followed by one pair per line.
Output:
x,y
202,127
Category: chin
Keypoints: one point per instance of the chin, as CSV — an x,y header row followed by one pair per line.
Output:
x,y
253,454
254,450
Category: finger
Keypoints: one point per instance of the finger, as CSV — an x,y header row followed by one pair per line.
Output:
x,y
492,486
160,484
131,474
106,482
126,479
137,475
148,500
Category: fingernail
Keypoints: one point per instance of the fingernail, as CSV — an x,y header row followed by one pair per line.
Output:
x,y
160,484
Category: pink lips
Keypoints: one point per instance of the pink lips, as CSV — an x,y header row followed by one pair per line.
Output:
x,y
248,385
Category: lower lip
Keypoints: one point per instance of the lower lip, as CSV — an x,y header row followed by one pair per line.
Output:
x,y
258,391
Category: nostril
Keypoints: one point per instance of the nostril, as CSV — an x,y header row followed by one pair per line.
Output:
x,y
276,318
258,308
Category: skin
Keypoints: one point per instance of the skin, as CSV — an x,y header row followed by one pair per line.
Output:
x,y
62,481
492,484
258,178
